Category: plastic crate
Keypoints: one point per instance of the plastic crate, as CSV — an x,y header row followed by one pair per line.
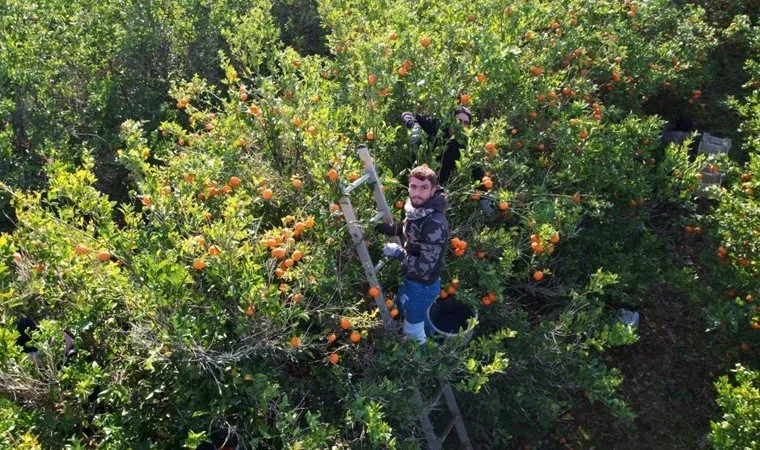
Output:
x,y
713,145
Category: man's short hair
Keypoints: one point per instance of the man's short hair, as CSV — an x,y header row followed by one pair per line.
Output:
x,y
424,172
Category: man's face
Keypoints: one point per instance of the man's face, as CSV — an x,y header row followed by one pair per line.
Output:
x,y
420,191
464,119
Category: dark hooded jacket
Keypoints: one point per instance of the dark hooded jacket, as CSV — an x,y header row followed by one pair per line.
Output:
x,y
453,144
425,231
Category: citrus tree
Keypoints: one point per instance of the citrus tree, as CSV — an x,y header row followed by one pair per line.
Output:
x,y
228,296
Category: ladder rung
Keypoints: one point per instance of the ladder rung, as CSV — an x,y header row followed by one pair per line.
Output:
x,y
437,398
377,217
381,264
447,429
357,183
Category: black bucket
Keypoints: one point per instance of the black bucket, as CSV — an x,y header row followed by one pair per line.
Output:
x,y
448,316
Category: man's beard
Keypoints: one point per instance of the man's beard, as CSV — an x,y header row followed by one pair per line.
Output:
x,y
416,202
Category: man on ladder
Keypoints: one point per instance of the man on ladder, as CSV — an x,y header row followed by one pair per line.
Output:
x,y
425,232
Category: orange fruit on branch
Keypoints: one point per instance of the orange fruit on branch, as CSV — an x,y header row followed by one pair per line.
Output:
x,y
355,337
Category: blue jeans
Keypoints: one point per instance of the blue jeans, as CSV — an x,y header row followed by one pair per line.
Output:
x,y
415,298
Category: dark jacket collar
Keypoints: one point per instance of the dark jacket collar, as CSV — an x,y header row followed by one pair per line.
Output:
x,y
437,202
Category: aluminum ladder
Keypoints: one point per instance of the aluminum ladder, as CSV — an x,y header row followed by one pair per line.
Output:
x,y
371,270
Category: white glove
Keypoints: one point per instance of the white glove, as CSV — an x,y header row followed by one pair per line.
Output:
x,y
393,250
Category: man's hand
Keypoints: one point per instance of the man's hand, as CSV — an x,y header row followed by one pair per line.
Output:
x,y
407,118
393,250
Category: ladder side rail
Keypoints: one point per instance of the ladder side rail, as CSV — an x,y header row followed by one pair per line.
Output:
x,y
427,426
451,402
357,237
377,191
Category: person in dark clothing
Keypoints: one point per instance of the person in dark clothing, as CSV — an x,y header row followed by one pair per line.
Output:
x,y
26,326
425,230
453,140
678,132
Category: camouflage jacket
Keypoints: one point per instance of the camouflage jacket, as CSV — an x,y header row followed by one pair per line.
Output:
x,y
425,231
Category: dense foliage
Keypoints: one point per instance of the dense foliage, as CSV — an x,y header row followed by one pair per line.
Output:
x,y
225,293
